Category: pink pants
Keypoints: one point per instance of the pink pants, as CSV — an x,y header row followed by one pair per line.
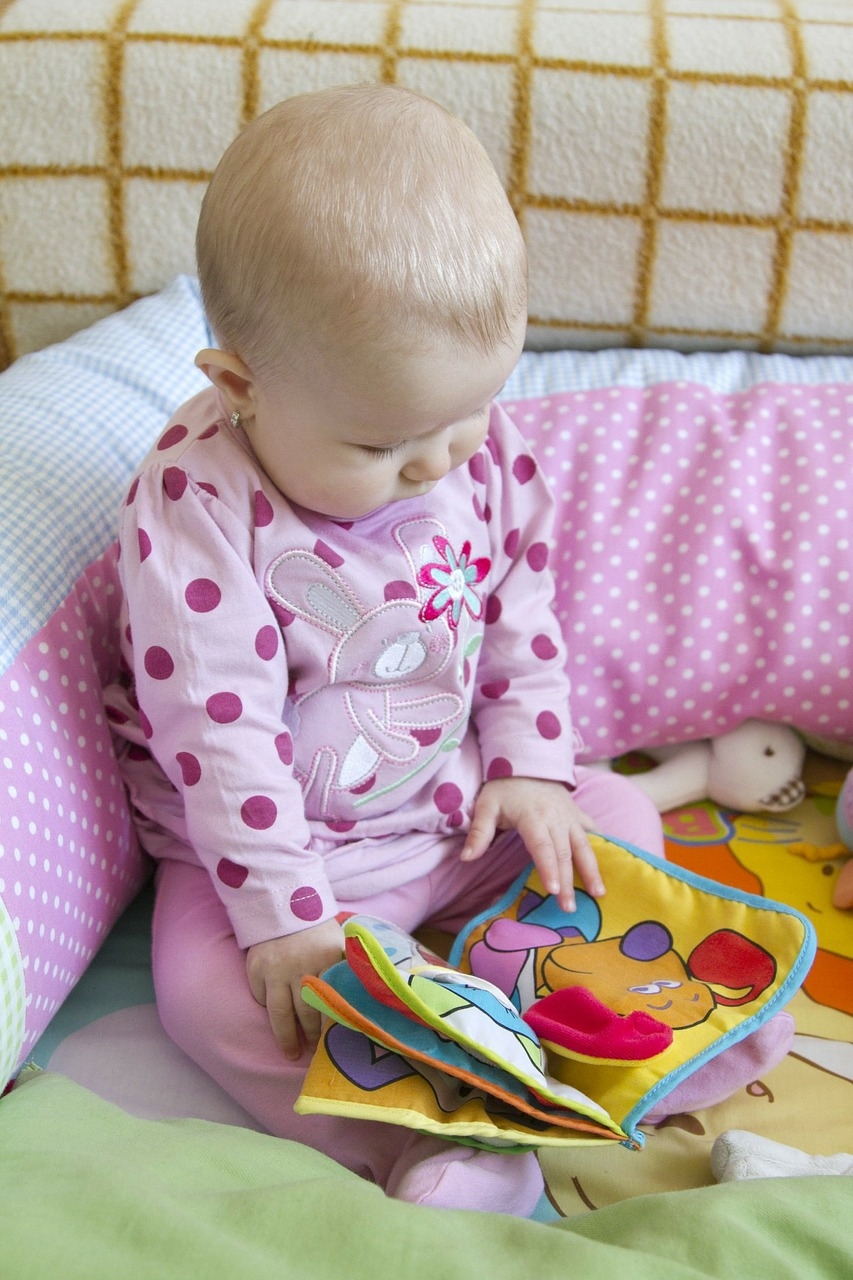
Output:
x,y
207,1008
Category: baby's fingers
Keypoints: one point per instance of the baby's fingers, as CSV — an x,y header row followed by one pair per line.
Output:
x,y
558,856
483,829
552,854
309,1020
585,862
282,1016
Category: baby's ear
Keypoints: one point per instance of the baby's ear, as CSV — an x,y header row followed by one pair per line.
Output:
x,y
231,378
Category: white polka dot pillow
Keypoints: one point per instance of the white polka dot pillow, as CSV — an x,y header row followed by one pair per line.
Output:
x,y
74,420
703,539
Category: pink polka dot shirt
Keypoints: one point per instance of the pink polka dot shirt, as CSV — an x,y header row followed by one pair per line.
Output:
x,y
311,699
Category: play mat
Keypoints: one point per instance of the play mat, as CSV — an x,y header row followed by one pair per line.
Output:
x,y
752,853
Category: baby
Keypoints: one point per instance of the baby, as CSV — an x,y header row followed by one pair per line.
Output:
x,y
347,682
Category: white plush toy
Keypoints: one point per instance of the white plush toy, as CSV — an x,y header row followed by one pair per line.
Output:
x,y
755,768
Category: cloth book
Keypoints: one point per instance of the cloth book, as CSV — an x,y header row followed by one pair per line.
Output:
x,y
545,1027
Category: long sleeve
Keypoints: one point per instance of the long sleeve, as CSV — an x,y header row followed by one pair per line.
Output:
x,y
211,681
521,701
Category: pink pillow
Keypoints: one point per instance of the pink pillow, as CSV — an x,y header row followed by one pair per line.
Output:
x,y
74,421
702,557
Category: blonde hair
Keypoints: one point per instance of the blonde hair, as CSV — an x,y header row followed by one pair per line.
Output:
x,y
359,213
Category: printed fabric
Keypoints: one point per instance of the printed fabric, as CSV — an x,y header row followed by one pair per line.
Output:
x,y
304,692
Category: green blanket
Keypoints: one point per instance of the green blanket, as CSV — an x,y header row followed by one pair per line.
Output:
x,y
88,1192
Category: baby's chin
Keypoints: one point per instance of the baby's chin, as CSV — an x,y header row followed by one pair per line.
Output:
x,y
351,514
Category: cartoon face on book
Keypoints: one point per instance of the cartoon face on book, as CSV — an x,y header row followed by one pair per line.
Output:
x,y
663,945
538,952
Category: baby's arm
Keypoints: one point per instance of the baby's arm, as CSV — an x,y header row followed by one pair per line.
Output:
x,y
275,970
211,679
521,698
551,825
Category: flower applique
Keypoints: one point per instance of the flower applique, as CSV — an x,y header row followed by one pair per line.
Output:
x,y
454,577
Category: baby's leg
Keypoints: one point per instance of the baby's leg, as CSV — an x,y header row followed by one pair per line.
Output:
x,y
619,809
735,1068
207,1008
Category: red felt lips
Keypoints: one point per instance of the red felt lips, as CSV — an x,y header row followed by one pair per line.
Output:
x,y
574,1020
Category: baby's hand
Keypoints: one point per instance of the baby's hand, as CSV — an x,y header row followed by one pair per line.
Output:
x,y
551,825
275,970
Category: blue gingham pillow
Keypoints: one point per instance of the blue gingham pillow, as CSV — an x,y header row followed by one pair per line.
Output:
x,y
75,419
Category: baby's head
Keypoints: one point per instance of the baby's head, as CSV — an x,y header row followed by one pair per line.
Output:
x,y
365,277
352,216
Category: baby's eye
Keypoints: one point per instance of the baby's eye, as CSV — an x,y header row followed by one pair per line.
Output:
x,y
377,452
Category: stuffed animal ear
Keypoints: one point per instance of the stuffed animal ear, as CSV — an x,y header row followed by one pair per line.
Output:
x,y
679,777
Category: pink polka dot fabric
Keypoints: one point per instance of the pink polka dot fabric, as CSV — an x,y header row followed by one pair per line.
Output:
x,y
370,710
69,860
702,556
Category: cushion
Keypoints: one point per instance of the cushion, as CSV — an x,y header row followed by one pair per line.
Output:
x,y
702,542
115,1193
681,173
74,420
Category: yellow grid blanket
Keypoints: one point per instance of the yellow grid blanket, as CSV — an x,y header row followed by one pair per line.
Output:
x,y
681,168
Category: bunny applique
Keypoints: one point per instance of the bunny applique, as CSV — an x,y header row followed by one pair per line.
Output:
x,y
393,686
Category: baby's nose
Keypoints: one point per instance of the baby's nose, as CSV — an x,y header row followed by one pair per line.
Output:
x,y
430,463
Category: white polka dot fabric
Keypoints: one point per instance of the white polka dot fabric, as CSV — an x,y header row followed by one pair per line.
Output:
x,y
69,861
74,420
701,554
